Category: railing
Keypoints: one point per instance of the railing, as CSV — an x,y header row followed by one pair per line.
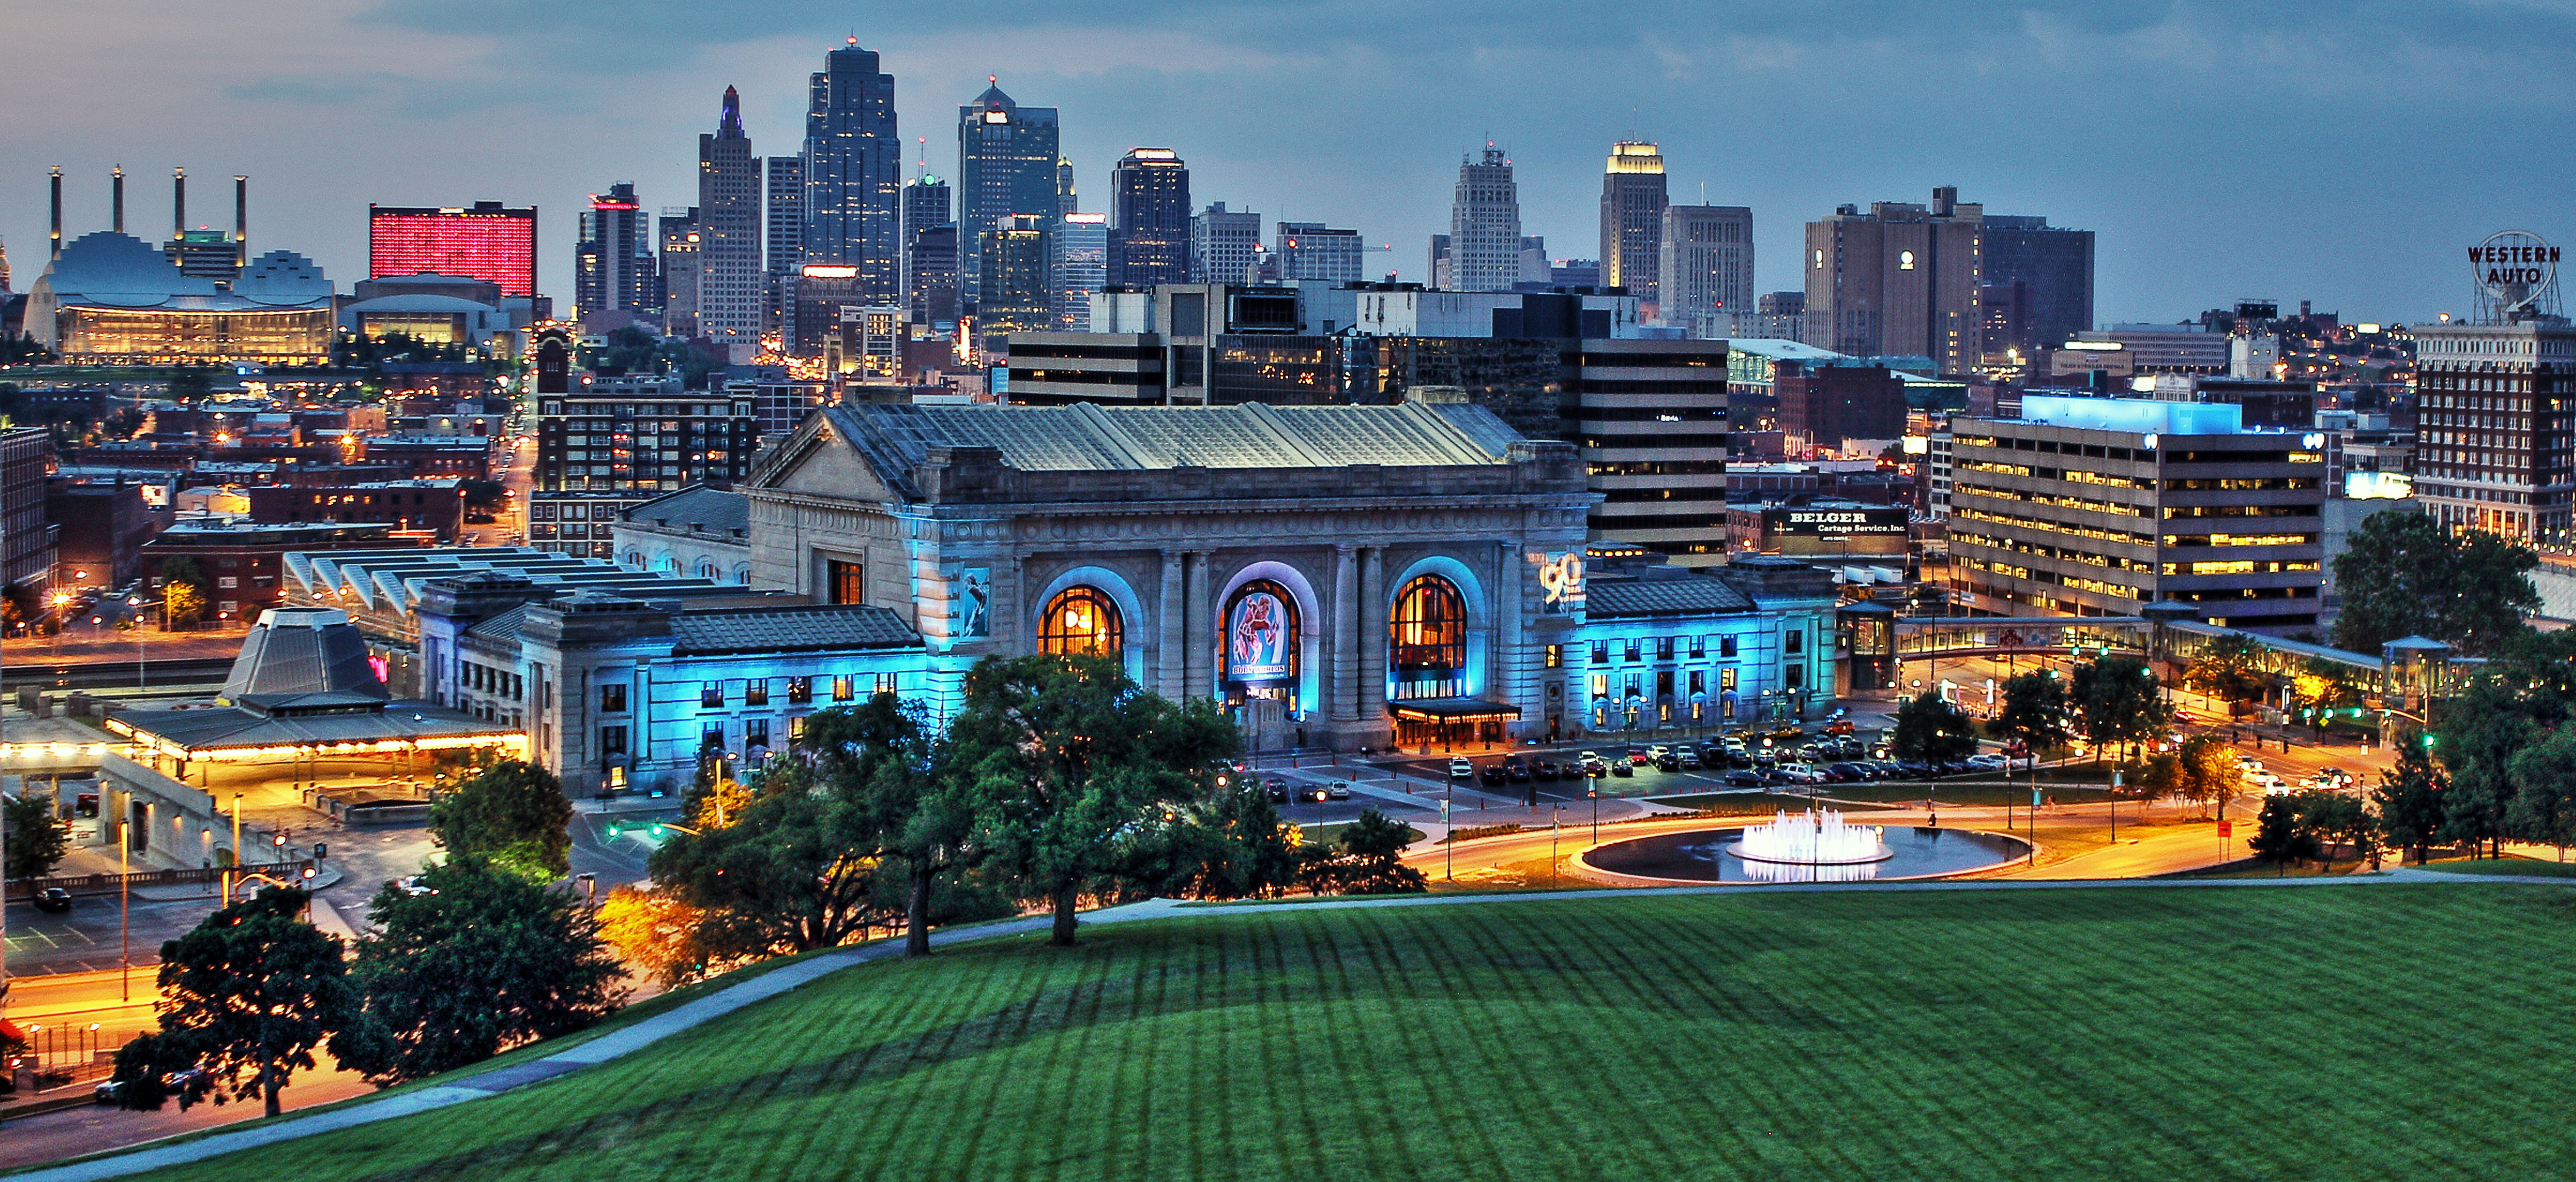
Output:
x,y
72,1054
88,884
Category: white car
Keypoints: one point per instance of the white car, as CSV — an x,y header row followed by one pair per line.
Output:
x,y
1799,773
1460,769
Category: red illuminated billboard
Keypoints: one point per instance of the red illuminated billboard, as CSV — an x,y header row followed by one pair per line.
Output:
x,y
487,242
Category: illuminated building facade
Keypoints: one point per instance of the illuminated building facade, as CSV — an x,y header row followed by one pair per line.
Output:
x,y
1483,246
1632,218
602,449
853,167
1081,249
1006,164
111,299
1901,280
1149,219
2495,405
1015,294
613,266
2098,506
487,241
732,293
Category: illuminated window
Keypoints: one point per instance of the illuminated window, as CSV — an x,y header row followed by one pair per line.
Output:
x,y
756,692
1429,627
800,690
711,694
848,582
1556,656
843,689
1081,621
1600,685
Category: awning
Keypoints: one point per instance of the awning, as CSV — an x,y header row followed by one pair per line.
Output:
x,y
1452,710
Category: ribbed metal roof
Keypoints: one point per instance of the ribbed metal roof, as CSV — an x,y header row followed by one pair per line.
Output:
x,y
303,656
792,629
1689,595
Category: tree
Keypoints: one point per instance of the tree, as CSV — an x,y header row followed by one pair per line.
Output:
x,y
2229,668
183,591
2279,838
2543,808
2115,701
1371,849
2409,799
2406,575
483,961
912,806
1932,731
36,841
513,813
2481,731
792,872
2209,774
1232,846
656,931
2333,818
247,996
2036,712
1065,757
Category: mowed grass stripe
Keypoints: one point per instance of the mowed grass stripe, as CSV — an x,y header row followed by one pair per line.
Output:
x,y
2378,1031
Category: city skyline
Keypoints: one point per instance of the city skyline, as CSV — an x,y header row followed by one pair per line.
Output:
x,y
2192,212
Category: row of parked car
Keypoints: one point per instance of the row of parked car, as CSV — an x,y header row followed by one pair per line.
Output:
x,y
1855,771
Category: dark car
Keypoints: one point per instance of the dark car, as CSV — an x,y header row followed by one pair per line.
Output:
x,y
1743,779
1316,792
1491,774
1668,762
54,899
1846,773
1545,769
1518,773
1277,790
1621,767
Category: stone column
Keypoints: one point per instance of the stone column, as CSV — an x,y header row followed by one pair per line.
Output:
x,y
1505,665
1167,629
1194,622
1343,664
1371,615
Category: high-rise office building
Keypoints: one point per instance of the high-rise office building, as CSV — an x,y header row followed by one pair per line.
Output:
x,y
931,260
1898,281
1013,295
2049,273
731,290
489,241
1313,250
853,167
1067,198
1222,243
1149,218
613,267
1081,247
923,205
2493,446
1485,226
1706,264
1006,164
680,241
1632,219
782,247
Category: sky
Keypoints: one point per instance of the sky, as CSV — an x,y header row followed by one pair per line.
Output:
x,y
2345,154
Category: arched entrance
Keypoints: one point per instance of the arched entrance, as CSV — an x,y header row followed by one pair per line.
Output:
x,y
1263,652
1082,620
1427,666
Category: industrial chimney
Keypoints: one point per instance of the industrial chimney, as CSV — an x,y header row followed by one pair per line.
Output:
x,y
241,221
116,202
58,211
178,204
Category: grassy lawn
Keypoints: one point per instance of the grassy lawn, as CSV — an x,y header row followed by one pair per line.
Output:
x,y
2114,1034
2513,867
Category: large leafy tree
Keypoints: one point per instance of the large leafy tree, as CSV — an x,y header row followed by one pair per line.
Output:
x,y
2116,701
912,806
2405,575
2543,808
2229,668
1231,846
481,962
655,931
247,997
2202,770
2279,837
2482,732
514,814
791,872
1933,730
1066,759
35,839
2409,799
2035,711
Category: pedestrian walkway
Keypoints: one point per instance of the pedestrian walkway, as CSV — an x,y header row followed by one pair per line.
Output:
x,y
630,1039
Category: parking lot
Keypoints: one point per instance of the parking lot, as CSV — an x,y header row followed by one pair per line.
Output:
x,y
1744,761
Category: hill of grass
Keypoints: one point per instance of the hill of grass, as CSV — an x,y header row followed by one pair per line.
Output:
x,y
2349,1032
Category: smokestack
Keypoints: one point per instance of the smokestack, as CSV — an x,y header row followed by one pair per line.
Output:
x,y
58,212
116,187
241,221
178,204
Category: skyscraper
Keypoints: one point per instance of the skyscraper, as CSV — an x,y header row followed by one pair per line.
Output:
x,y
1222,244
1013,294
680,240
1081,249
1067,197
932,261
1706,262
1149,219
1006,164
1898,281
731,290
1485,226
613,267
853,166
2052,267
1313,250
1632,220
783,225
923,205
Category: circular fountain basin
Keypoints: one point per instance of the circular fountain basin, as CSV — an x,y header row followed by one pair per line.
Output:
x,y
1881,854
1710,855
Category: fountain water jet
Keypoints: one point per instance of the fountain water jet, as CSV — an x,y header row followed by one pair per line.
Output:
x,y
1821,838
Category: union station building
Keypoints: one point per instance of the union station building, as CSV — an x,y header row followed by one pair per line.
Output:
x,y
1337,577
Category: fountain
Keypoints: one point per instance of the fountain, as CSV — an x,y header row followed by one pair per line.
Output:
x,y
1821,838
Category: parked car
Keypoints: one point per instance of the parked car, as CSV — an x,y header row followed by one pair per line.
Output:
x,y
54,899
1338,790
1518,773
1657,751
1668,762
1545,769
1491,775
1743,779
1460,769
1623,768
1637,757
1691,761
1277,790
1316,792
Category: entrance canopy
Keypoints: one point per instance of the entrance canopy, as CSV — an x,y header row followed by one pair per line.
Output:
x,y
1452,710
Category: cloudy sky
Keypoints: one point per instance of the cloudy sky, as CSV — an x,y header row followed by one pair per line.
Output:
x,y
2344,154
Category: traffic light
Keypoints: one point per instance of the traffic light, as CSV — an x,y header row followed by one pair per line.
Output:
x,y
320,851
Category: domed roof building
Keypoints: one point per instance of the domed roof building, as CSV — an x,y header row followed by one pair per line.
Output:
x,y
114,299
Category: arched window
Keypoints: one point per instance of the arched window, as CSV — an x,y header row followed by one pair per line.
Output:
x,y
1261,635
707,570
1427,635
1081,621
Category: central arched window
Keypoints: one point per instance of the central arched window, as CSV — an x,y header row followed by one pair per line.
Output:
x,y
1261,635
1428,630
1081,621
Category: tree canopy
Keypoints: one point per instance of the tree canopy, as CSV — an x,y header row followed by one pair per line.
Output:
x,y
1929,729
2405,575
247,997
2116,701
36,840
513,813
483,961
2036,711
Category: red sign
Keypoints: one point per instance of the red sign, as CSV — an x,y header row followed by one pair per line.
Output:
x,y
2224,828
